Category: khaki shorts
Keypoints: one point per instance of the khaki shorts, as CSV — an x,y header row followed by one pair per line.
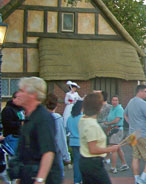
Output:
x,y
116,138
139,150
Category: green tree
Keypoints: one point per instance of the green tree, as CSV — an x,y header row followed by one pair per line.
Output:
x,y
132,15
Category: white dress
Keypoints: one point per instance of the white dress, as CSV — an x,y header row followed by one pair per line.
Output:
x,y
70,99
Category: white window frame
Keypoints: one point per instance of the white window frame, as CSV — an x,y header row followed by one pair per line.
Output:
x,y
62,27
9,86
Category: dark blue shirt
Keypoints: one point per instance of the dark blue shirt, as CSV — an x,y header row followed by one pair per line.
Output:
x,y
38,135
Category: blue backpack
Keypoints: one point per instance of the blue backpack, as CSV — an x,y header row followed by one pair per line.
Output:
x,y
2,161
10,144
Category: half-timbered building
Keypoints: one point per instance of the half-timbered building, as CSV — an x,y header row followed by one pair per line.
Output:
x,y
59,41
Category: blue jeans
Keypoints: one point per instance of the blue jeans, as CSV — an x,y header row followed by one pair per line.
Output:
x,y
76,158
61,164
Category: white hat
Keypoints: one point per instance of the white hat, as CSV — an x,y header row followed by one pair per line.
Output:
x,y
70,83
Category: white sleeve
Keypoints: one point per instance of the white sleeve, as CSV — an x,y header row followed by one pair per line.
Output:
x,y
79,98
66,100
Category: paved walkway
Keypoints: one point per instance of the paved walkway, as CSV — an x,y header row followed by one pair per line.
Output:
x,y
123,177
126,180
120,178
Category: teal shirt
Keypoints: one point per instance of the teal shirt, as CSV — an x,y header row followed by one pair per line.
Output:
x,y
116,112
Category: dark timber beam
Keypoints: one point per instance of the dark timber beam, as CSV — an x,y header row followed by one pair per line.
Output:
x,y
57,9
19,74
20,45
74,36
62,86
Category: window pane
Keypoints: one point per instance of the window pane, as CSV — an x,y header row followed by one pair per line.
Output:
x,y
68,22
13,86
5,87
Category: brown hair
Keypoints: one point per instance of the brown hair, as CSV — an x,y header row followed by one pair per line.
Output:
x,y
51,102
92,104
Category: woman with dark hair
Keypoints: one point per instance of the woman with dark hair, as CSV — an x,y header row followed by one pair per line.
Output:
x,y
102,117
93,142
74,142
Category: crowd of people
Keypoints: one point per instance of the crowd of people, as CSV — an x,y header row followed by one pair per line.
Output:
x,y
90,126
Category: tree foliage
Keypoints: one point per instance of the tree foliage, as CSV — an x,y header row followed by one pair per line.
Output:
x,y
132,15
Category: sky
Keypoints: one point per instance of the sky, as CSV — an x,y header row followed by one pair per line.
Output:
x,y
144,1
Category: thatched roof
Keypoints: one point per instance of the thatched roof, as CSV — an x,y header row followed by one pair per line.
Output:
x,y
14,4
86,59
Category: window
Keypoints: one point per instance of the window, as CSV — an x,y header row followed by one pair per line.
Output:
x,y
5,87
68,22
110,85
9,86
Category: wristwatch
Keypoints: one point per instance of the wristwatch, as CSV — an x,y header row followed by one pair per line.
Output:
x,y
39,180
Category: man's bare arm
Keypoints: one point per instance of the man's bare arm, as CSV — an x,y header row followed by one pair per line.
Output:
x,y
45,165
